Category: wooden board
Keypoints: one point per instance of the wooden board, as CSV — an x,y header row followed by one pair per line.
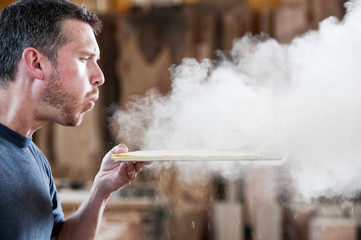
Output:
x,y
193,155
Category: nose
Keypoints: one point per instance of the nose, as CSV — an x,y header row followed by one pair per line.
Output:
x,y
97,77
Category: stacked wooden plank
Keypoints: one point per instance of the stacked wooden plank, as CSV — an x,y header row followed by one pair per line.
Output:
x,y
291,20
227,216
322,228
263,214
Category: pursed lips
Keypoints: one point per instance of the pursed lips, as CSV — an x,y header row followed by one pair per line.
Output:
x,y
92,101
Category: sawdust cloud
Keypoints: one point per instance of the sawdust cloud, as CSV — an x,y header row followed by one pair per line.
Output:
x,y
301,100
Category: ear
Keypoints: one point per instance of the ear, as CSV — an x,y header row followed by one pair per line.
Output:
x,y
34,62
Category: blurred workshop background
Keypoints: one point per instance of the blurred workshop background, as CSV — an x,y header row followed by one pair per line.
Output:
x,y
141,39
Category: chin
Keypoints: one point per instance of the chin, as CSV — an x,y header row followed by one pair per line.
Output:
x,y
79,121
72,121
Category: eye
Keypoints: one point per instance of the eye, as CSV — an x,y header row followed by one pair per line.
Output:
x,y
85,59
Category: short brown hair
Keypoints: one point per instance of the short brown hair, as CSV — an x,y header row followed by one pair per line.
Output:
x,y
38,24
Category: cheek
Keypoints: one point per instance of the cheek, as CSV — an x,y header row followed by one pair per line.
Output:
x,y
77,80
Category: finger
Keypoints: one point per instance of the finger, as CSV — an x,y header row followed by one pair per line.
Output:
x,y
131,172
120,148
139,165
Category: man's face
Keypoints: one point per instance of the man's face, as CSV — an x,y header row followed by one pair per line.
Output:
x,y
72,88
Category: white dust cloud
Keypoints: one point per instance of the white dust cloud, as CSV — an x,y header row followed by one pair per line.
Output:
x,y
301,100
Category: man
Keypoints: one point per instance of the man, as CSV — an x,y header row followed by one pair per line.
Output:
x,y
48,73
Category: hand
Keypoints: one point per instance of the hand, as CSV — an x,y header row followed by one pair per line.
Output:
x,y
113,175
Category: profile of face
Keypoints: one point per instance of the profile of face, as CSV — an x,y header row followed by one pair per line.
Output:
x,y
72,86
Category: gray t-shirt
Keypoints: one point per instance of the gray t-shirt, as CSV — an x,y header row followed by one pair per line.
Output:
x,y
29,203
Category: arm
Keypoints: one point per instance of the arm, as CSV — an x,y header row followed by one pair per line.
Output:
x,y
83,224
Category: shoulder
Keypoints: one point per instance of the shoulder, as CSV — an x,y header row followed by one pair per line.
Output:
x,y
40,157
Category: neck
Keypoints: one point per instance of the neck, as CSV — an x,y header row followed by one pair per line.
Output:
x,y
17,106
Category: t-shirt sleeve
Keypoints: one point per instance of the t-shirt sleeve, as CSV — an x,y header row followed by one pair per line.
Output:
x,y
57,210
53,193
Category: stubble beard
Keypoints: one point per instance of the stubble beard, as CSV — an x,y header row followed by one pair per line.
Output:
x,y
63,103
